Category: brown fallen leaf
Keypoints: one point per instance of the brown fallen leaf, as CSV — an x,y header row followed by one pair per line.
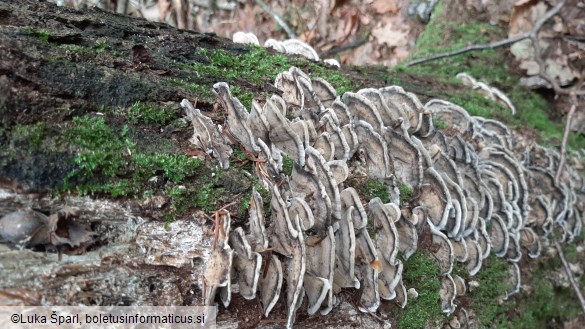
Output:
x,y
392,38
385,6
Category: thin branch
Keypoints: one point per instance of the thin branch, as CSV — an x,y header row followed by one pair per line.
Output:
x,y
277,18
342,48
565,138
467,49
570,275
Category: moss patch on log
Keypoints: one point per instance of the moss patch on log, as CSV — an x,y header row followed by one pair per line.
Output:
x,y
421,273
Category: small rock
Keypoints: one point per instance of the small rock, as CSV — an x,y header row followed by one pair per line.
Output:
x,y
473,285
454,323
412,293
551,252
576,269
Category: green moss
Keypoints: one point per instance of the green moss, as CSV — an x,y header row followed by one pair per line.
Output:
x,y
493,286
421,273
570,252
110,164
539,308
246,97
201,89
257,64
405,193
33,134
101,45
257,67
369,188
245,203
175,167
104,152
287,164
439,124
442,35
101,148
42,34
335,77
140,112
266,197
87,49
207,197
74,48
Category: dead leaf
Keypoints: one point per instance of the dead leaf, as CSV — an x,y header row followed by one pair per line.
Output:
x,y
337,4
385,6
524,15
531,67
562,73
522,49
392,38
559,26
521,3
352,23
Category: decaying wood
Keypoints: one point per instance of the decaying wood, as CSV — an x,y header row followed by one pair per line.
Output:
x,y
133,261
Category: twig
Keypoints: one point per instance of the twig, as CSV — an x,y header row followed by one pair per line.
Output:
x,y
570,275
342,48
467,49
277,18
565,138
496,44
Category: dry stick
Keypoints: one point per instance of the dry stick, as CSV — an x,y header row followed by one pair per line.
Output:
x,y
492,45
570,275
565,138
342,48
277,18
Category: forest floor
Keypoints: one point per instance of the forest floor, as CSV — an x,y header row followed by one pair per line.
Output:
x,y
89,108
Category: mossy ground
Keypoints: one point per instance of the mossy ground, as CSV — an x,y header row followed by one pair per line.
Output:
x,y
543,306
444,34
421,273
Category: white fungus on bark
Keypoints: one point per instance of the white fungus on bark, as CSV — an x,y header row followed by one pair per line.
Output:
x,y
472,195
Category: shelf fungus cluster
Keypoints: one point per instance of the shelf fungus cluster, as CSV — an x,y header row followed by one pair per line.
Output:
x,y
472,195
288,46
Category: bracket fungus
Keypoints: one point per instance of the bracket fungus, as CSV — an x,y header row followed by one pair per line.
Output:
x,y
246,262
472,195
219,266
407,237
487,91
448,293
270,283
320,269
206,135
237,117
288,46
